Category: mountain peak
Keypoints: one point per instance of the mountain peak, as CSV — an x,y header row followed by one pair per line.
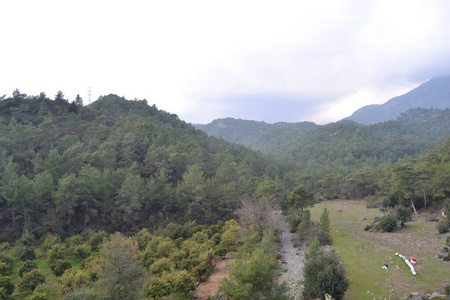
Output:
x,y
434,93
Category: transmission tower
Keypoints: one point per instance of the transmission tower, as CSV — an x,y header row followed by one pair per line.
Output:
x,y
89,95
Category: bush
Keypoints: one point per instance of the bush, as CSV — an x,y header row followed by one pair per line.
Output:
x,y
59,266
28,254
82,251
28,266
31,280
388,223
324,275
37,296
305,223
49,241
6,287
403,214
72,279
74,240
443,226
324,237
26,239
6,262
56,252
96,239
4,246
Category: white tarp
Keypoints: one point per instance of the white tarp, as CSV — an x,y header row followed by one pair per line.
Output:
x,y
408,263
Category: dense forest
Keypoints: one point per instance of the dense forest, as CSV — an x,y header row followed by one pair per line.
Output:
x,y
330,155
115,165
72,175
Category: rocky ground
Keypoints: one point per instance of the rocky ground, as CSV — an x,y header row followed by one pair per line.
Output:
x,y
291,258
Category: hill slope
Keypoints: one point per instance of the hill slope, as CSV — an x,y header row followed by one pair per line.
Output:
x,y
256,135
115,165
434,93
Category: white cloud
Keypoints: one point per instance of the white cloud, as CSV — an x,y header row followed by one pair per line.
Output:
x,y
183,55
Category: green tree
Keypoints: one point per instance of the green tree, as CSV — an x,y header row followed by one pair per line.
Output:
x,y
323,274
6,287
129,199
78,100
59,266
300,198
122,274
251,278
159,288
31,280
27,267
181,282
60,97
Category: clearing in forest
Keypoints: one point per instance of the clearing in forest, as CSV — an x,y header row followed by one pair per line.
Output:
x,y
211,286
364,253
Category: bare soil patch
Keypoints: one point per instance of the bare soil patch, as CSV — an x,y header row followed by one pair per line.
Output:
x,y
211,286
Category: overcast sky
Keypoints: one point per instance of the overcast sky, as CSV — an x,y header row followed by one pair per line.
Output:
x,y
262,60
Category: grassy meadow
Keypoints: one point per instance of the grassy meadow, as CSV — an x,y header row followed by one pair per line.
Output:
x,y
364,253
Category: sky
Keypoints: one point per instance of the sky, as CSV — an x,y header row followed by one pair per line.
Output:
x,y
272,61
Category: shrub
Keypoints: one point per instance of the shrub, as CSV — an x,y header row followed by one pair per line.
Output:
x,y
324,237
37,296
4,246
96,239
56,252
6,262
49,241
161,265
72,279
31,280
59,266
388,223
403,214
28,254
6,287
82,251
142,238
74,240
305,223
26,239
324,275
158,289
28,266
443,226
447,289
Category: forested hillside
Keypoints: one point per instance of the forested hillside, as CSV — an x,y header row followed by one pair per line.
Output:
x,y
70,175
338,149
115,165
256,135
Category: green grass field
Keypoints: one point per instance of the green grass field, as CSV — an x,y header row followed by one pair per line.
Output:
x,y
364,253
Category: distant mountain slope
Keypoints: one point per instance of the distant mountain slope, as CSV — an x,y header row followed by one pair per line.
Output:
x,y
342,147
434,93
257,135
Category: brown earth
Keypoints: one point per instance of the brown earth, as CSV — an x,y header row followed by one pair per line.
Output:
x,y
211,286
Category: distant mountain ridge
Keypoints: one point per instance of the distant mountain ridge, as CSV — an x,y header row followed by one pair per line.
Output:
x,y
254,134
434,93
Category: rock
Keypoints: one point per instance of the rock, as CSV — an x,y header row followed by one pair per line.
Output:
x,y
433,218
416,296
437,296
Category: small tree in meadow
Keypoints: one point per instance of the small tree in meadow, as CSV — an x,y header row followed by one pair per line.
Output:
x,y
31,280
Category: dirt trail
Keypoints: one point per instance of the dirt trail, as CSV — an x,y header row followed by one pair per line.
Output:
x,y
291,258
211,286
